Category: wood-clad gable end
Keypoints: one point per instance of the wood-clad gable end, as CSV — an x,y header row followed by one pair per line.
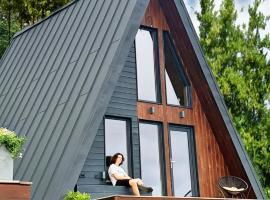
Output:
x,y
215,152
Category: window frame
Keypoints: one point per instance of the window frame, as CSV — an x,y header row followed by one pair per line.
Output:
x,y
192,155
161,146
154,33
168,41
129,142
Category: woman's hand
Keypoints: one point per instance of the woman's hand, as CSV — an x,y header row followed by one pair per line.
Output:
x,y
121,177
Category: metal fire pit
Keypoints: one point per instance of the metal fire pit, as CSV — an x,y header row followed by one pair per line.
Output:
x,y
232,186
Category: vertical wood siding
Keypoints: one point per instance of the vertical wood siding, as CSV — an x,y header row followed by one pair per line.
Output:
x,y
220,127
122,104
210,159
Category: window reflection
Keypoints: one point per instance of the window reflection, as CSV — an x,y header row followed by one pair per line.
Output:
x,y
145,60
171,96
176,83
116,138
180,163
150,156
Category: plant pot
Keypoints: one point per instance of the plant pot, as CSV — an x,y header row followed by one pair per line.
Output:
x,y
6,164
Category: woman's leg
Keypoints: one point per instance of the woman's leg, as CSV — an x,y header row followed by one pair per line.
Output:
x,y
142,187
134,187
139,181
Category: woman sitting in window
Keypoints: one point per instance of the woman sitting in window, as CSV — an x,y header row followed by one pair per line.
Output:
x,y
119,177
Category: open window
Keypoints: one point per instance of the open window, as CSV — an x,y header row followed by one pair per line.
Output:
x,y
178,90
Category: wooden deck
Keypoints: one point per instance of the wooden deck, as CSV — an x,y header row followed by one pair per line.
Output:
x,y
125,197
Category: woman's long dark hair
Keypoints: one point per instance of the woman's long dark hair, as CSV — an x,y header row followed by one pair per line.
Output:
x,y
113,160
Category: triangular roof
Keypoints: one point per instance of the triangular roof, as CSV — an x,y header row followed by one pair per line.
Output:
x,y
57,78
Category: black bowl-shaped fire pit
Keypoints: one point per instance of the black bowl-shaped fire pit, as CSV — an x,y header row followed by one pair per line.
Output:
x,y
233,185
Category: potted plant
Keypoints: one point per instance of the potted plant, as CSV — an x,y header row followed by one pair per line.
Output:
x,y
77,196
10,148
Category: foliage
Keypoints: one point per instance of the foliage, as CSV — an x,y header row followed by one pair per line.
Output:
x,y
11,141
15,15
36,9
77,196
6,30
29,11
239,62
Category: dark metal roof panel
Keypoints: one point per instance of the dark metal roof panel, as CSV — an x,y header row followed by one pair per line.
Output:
x,y
57,79
219,99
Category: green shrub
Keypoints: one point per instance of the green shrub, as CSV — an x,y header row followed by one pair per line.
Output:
x,y
77,196
12,142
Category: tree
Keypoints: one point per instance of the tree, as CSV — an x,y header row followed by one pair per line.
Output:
x,y
239,62
8,25
255,62
14,15
6,33
36,9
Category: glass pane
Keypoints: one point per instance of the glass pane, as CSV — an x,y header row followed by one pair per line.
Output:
x,y
150,159
176,86
180,163
116,138
145,59
171,96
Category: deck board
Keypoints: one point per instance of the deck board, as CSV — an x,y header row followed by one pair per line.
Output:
x,y
125,197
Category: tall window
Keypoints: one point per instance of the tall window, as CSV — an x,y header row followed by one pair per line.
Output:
x,y
151,156
147,68
177,85
116,137
183,161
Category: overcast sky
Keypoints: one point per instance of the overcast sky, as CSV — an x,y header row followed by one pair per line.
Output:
x,y
194,5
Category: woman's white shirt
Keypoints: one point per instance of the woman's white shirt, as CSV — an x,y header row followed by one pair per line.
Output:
x,y
114,169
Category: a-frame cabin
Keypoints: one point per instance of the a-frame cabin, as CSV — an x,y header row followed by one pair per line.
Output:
x,y
104,76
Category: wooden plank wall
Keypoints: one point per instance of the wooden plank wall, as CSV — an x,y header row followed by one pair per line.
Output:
x,y
210,160
210,157
15,190
192,67
122,104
